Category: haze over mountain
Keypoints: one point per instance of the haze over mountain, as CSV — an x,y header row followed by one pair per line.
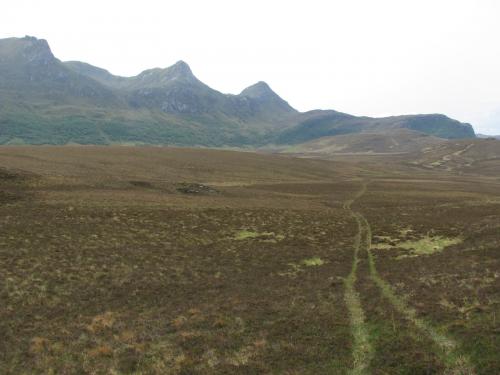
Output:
x,y
46,101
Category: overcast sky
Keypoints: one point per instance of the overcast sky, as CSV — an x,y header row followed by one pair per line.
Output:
x,y
365,57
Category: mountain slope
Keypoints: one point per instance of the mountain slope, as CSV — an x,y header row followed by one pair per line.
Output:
x,y
395,142
46,101
43,100
317,124
98,74
480,156
266,105
29,69
177,90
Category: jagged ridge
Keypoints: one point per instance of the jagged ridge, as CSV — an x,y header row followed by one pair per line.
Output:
x,y
43,100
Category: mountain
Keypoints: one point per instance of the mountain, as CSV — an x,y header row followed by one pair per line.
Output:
x,y
176,90
46,101
29,72
266,104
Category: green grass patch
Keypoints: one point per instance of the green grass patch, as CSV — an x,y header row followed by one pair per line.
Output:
x,y
314,261
428,245
246,234
424,246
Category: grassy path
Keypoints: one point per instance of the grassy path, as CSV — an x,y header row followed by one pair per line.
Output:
x,y
455,362
362,348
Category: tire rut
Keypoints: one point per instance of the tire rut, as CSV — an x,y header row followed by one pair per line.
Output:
x,y
455,362
362,351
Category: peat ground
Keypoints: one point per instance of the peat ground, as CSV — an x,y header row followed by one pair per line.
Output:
x,y
178,261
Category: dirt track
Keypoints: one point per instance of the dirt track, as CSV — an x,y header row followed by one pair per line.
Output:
x,y
455,362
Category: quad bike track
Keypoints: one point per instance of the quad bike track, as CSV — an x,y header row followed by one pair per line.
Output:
x,y
454,361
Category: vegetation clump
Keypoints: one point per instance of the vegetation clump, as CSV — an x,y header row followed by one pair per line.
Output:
x,y
426,245
313,262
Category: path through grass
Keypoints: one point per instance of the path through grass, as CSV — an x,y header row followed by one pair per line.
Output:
x,y
456,363
362,351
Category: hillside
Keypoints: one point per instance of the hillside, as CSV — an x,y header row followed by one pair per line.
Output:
x,y
397,141
316,124
46,101
476,156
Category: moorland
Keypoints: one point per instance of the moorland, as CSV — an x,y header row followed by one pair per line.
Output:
x,y
159,260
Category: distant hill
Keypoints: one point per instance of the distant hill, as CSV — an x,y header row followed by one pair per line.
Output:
x,y
317,124
46,101
488,136
398,141
479,156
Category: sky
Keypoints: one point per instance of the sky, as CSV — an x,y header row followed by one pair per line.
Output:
x,y
364,57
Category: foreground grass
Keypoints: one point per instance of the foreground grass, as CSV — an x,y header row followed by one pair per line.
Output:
x,y
142,289
108,268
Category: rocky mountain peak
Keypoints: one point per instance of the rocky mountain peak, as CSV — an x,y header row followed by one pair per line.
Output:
x,y
181,67
266,99
25,50
259,90
180,70
36,50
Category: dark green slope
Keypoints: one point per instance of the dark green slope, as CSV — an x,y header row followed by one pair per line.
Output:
x,y
46,101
